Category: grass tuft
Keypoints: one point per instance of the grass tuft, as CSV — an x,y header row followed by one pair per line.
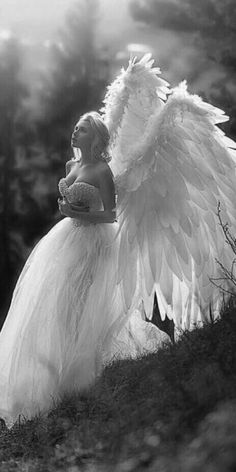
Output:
x,y
170,410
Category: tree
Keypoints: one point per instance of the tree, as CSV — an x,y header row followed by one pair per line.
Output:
x,y
78,78
211,28
12,94
32,151
23,198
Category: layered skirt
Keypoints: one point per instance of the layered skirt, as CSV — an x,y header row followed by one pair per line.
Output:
x,y
65,310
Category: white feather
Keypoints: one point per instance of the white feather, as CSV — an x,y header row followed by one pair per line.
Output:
x,y
172,165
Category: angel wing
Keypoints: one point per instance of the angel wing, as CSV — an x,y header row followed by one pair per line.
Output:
x,y
130,99
173,166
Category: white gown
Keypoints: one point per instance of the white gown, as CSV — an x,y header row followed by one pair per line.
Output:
x,y
63,307
65,314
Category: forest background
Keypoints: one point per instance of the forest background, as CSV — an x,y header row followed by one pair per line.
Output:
x,y
54,68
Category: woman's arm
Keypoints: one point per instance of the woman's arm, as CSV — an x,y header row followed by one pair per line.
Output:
x,y
107,193
102,216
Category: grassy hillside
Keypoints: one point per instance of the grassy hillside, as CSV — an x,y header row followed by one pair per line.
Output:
x,y
174,410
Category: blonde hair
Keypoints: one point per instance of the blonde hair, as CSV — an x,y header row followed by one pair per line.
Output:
x,y
99,148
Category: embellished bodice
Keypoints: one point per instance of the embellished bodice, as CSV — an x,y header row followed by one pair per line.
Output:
x,y
81,192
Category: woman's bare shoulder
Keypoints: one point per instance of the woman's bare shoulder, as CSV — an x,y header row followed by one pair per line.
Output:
x,y
106,183
104,171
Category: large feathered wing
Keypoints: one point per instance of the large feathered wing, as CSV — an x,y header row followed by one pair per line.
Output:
x,y
137,92
171,180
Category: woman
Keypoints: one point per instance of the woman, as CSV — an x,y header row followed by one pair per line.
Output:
x,y
173,166
91,168
66,302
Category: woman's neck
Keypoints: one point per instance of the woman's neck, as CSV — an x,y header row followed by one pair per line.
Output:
x,y
83,156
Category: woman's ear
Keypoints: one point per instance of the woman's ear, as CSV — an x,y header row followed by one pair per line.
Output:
x,y
96,147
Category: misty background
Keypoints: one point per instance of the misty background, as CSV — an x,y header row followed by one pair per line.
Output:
x,y
56,59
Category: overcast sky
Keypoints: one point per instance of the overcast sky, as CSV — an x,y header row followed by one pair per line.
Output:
x,y
33,19
39,19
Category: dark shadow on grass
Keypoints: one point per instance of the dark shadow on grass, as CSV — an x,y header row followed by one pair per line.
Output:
x,y
142,410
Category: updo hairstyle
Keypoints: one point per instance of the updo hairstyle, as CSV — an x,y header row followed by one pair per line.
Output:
x,y
99,147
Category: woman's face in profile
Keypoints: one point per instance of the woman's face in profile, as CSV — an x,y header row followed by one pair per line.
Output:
x,y
82,135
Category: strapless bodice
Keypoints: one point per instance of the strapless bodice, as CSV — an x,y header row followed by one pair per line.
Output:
x,y
81,192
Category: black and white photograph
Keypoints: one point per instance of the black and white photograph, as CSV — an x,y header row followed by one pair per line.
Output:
x,y
117,236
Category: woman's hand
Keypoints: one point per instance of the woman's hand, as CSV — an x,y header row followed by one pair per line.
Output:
x,y
80,207
64,206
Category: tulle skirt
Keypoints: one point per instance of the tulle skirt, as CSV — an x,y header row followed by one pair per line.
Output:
x,y
65,310
66,320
